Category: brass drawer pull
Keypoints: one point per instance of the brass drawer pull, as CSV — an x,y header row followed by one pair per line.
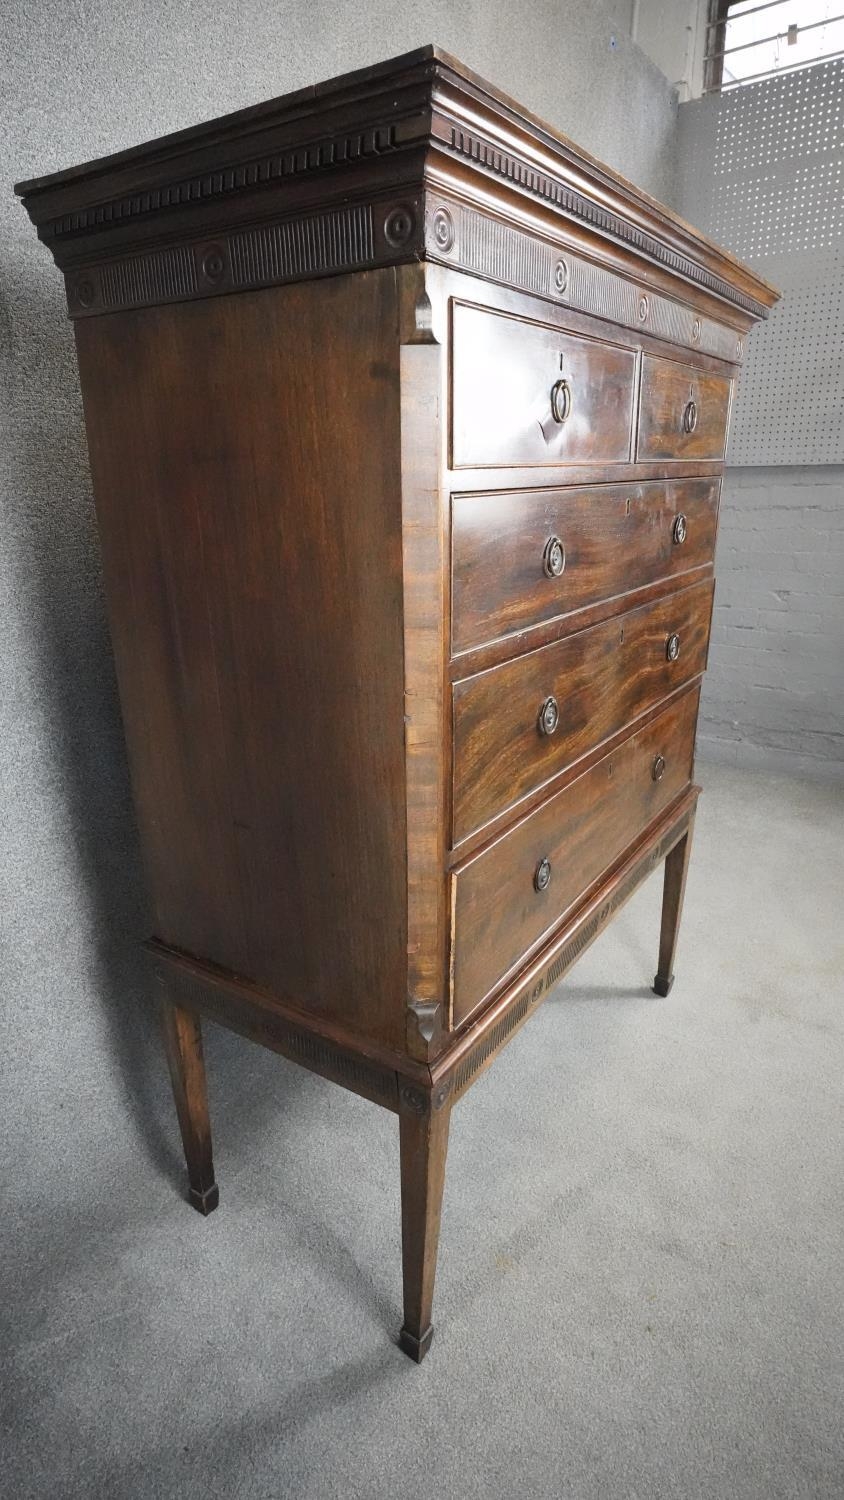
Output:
x,y
672,647
549,716
690,416
542,875
561,401
554,557
658,768
678,531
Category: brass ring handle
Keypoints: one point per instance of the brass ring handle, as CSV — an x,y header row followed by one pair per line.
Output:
x,y
554,557
561,401
690,416
672,646
658,768
542,875
549,716
679,530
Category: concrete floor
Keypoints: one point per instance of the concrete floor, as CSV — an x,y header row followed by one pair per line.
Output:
x,y
641,1277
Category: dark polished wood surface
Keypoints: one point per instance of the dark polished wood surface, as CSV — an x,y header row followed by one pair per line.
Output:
x,y
682,413
406,420
506,899
263,709
526,393
605,540
520,724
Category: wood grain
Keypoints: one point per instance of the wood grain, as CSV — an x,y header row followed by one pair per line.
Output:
x,y
479,1041
674,889
600,680
425,615
423,1136
503,375
182,1032
615,538
253,559
666,391
500,916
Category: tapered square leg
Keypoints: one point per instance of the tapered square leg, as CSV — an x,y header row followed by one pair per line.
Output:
x,y
183,1045
423,1128
676,869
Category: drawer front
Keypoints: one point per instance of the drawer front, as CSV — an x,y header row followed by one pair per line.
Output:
x,y
525,393
502,905
517,725
520,559
683,412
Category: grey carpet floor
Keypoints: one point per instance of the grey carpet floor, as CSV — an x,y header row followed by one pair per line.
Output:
x,y
640,1288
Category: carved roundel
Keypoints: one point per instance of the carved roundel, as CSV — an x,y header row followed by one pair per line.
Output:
x,y
443,230
414,1099
85,292
561,277
644,308
739,348
213,263
696,331
398,226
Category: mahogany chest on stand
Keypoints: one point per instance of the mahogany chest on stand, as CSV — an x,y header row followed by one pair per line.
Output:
x,y
406,422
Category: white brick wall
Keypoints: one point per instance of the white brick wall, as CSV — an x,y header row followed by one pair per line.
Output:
x,y
774,693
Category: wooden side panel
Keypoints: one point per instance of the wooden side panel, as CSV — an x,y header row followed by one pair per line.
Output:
x,y
246,462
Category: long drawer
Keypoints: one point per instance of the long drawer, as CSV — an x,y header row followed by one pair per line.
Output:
x,y
527,393
683,412
519,724
510,896
522,558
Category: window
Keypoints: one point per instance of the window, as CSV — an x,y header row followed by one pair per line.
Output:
x,y
747,39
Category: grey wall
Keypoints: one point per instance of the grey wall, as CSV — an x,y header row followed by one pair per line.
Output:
x,y
772,697
673,35
83,1096
759,170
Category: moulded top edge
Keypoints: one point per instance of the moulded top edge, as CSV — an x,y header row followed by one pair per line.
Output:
x,y
418,98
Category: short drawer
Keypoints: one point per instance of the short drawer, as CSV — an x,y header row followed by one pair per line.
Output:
x,y
526,393
519,724
683,412
509,897
523,558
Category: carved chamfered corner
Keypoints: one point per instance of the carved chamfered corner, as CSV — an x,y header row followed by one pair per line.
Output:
x,y
416,310
424,1028
423,321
